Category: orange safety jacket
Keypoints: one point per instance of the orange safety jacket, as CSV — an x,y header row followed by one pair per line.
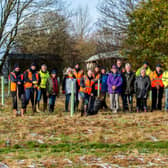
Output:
x,y
88,84
30,84
156,80
97,77
13,85
78,75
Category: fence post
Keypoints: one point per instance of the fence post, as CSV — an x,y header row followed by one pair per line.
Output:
x,y
9,83
2,91
98,91
72,97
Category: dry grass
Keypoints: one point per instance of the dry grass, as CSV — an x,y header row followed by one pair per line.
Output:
x,y
105,140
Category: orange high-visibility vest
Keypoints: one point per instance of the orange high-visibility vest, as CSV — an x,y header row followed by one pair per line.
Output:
x,y
88,85
156,80
30,84
78,75
13,85
97,77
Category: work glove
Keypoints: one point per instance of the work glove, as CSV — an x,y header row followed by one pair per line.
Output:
x,y
35,82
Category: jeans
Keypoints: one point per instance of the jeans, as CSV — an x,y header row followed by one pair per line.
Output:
x,y
42,92
114,102
52,99
31,94
127,100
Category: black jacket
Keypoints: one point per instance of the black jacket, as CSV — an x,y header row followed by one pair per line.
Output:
x,y
128,82
142,86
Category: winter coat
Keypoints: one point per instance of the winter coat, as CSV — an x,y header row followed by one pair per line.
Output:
x,y
128,82
148,71
67,84
114,80
50,87
103,80
142,86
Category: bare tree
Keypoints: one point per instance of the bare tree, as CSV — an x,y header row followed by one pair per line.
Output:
x,y
81,26
114,22
12,14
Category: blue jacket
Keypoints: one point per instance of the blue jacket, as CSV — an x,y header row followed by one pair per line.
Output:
x,y
104,86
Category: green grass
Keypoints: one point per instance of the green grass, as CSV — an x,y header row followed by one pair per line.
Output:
x,y
161,146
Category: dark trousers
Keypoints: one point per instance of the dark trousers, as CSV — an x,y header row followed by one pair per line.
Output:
x,y
67,101
157,96
127,100
89,102
52,99
104,105
142,103
31,94
15,100
43,92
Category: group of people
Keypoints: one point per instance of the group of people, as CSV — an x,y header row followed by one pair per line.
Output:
x,y
31,86
118,82
89,87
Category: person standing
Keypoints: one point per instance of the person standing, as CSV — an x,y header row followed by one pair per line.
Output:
x,y
120,68
96,76
142,87
88,90
31,84
104,86
52,89
157,88
78,73
114,83
44,75
17,89
146,67
128,88
68,80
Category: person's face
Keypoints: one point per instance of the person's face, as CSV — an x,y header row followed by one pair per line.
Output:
x,y
128,68
33,67
77,66
145,66
119,63
70,71
114,70
96,69
89,73
103,71
53,75
143,73
17,69
44,68
158,69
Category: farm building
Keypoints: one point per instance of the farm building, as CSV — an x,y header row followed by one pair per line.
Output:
x,y
25,60
104,59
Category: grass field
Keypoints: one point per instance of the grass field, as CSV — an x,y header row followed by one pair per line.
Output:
x,y
102,141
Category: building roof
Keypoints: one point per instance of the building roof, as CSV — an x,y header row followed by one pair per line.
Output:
x,y
107,55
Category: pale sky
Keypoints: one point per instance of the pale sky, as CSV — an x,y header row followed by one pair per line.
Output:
x,y
92,4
